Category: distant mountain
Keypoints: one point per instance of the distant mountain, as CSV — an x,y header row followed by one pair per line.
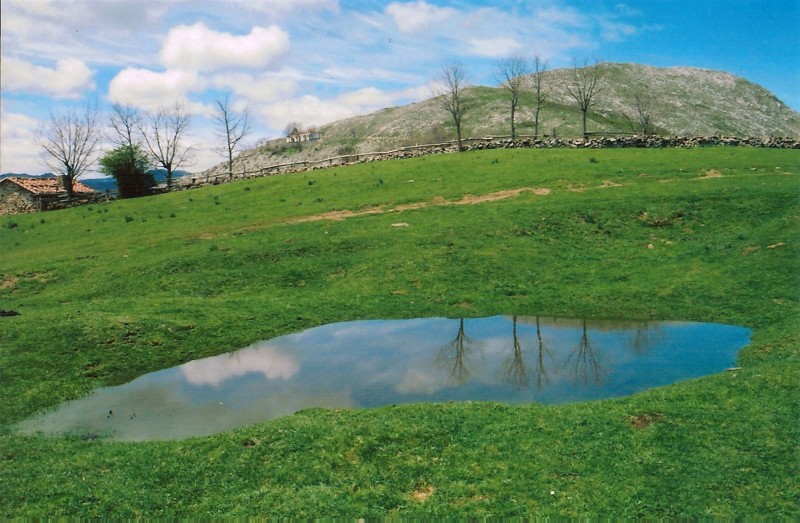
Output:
x,y
25,175
106,184
684,101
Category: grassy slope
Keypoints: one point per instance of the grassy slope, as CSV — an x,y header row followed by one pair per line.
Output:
x,y
109,292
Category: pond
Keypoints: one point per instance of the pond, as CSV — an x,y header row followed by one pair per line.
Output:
x,y
361,364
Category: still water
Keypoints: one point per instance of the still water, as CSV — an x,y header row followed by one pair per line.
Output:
x,y
360,364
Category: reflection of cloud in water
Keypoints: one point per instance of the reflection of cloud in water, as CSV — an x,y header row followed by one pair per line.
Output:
x,y
379,362
258,358
417,381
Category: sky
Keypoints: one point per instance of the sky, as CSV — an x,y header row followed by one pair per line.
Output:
x,y
318,61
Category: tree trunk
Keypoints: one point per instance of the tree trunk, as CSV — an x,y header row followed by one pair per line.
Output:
x,y
67,182
585,134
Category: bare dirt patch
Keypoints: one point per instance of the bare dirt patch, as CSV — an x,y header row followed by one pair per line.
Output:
x,y
422,494
710,173
642,421
8,282
437,201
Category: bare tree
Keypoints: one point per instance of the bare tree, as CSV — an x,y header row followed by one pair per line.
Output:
x,y
71,139
587,366
583,87
451,95
515,366
454,355
540,92
163,137
510,73
642,118
125,122
233,127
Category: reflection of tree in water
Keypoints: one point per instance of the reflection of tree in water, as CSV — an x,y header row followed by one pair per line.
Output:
x,y
516,370
587,368
454,355
541,351
645,336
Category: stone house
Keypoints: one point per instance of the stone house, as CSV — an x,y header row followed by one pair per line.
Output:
x,y
20,195
297,136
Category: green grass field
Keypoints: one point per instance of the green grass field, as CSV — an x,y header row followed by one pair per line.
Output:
x,y
110,292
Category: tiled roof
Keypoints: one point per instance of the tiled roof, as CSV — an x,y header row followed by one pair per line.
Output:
x,y
47,186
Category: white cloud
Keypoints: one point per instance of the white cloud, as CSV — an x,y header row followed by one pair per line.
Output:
x,y
19,148
264,88
199,48
283,7
312,110
418,16
308,109
150,90
494,47
263,359
68,79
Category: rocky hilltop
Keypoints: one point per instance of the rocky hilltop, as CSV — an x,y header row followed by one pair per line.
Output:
x,y
683,101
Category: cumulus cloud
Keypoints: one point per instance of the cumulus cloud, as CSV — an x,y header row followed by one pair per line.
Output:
x,y
151,90
199,48
312,110
263,88
19,149
68,79
418,16
494,47
268,361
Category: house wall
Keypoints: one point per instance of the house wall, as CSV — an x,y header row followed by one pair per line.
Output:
x,y
14,200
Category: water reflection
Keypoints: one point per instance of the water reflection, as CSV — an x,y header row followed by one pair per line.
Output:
x,y
370,363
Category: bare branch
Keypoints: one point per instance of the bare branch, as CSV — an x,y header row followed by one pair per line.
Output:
x,y
126,122
233,127
584,85
510,73
451,95
540,90
71,139
164,136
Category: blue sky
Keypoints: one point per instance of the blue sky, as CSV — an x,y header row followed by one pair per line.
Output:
x,y
317,61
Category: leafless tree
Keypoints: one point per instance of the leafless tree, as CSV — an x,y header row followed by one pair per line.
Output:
x,y
233,126
163,135
451,96
125,122
454,355
584,85
586,364
641,120
541,352
515,366
510,73
540,92
71,139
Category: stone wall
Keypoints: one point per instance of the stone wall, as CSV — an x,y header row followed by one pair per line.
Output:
x,y
15,200
477,144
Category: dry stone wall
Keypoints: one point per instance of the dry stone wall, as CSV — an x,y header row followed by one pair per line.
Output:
x,y
477,144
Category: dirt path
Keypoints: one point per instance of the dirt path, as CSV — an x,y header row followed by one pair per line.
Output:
x,y
469,199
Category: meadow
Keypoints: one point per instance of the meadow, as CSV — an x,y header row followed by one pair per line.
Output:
x,y
106,293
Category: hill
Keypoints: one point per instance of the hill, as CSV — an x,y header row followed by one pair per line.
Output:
x,y
684,101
